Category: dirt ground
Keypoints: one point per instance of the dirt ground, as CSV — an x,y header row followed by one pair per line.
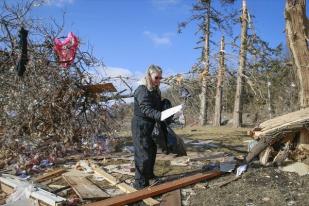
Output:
x,y
258,186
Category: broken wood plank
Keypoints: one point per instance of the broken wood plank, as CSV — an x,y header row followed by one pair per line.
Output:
x,y
126,169
85,189
85,165
156,190
50,181
99,88
265,155
180,161
61,189
50,175
282,154
3,198
290,117
254,134
122,186
291,121
171,198
271,137
6,189
285,127
303,144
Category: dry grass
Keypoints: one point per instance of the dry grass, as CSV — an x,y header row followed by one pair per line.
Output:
x,y
221,134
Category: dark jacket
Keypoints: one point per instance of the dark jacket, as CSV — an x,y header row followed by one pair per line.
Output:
x,y
147,111
147,104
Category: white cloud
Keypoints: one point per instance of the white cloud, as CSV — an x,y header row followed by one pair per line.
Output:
x,y
117,71
58,3
131,78
164,39
164,4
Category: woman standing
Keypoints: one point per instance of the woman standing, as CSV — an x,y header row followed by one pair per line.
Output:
x,y
147,111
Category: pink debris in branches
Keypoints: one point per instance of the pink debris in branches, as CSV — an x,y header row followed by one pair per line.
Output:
x,y
66,49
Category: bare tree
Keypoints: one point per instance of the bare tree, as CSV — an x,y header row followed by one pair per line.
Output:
x,y
209,19
297,32
220,76
203,96
237,115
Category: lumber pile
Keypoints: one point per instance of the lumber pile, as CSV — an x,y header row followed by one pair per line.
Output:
x,y
281,137
156,190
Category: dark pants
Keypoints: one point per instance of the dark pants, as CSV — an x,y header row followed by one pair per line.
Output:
x,y
145,151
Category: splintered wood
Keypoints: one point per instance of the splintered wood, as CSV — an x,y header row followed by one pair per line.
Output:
x,y
49,175
288,122
112,180
171,198
285,129
99,88
85,189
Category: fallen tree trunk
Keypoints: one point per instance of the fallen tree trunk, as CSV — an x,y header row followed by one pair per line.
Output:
x,y
290,118
280,129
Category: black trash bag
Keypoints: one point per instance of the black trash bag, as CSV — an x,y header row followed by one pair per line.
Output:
x,y
23,44
168,140
165,137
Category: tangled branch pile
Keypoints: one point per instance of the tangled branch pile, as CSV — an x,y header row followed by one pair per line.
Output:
x,y
47,102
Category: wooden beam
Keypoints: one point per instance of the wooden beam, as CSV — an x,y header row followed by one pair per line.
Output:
x,y
85,189
99,88
49,175
155,190
51,180
6,189
122,186
265,155
171,198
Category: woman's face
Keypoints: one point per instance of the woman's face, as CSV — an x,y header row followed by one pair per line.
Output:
x,y
156,78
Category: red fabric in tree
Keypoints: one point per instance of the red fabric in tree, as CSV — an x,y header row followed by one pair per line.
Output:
x,y
66,49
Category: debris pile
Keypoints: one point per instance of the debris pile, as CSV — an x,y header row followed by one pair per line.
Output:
x,y
281,138
102,177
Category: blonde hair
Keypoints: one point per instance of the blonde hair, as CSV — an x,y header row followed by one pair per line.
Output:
x,y
147,79
154,69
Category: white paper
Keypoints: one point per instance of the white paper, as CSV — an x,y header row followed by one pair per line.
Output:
x,y
169,112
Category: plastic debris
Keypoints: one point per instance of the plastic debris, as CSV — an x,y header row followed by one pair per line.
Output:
x,y
251,144
24,175
21,196
241,169
45,163
66,49
227,166
211,166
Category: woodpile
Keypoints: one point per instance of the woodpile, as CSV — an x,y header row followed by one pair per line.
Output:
x,y
281,137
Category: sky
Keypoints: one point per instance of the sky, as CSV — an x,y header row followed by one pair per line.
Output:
x,y
129,35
